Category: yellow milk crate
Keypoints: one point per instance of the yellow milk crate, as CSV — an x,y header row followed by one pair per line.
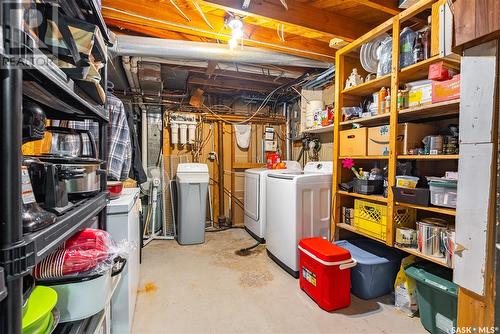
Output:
x,y
371,218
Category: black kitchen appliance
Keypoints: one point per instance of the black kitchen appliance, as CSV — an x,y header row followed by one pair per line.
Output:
x,y
34,217
48,181
33,121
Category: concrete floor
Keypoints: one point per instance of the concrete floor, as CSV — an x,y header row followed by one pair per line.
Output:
x,y
209,289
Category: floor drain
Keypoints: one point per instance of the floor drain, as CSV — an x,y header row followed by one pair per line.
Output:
x,y
243,252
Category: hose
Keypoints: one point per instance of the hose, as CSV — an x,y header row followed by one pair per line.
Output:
x,y
246,251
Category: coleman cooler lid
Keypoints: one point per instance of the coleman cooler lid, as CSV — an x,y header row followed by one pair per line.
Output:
x,y
324,250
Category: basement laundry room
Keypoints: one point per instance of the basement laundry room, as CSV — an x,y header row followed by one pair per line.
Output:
x,y
249,166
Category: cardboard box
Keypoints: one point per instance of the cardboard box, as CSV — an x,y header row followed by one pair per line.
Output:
x,y
410,136
439,72
420,93
446,90
353,142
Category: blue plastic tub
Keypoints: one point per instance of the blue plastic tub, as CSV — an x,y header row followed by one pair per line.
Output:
x,y
376,270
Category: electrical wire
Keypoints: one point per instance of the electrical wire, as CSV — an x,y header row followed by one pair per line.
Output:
x,y
262,105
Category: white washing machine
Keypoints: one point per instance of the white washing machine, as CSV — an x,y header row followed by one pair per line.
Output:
x,y
298,206
255,198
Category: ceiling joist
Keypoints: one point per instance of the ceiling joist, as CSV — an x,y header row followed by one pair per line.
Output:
x,y
231,84
381,5
241,76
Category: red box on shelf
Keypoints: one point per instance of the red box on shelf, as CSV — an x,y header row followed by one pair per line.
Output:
x,y
446,90
439,71
325,273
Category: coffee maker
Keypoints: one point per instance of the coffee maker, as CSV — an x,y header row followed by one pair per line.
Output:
x,y
34,217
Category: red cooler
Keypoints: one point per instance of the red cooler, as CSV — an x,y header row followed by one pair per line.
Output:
x,y
325,273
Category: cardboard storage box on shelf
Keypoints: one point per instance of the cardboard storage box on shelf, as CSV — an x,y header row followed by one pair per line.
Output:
x,y
439,71
353,142
420,93
446,90
410,136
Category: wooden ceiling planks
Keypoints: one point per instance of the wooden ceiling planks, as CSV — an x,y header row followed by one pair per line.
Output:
x,y
308,25
301,15
155,16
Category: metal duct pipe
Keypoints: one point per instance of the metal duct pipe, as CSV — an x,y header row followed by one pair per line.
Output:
x,y
130,68
165,48
275,71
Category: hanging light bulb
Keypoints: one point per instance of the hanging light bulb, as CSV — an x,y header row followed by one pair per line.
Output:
x,y
233,43
236,26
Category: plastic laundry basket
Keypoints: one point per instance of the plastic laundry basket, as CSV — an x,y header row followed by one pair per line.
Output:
x,y
325,273
437,296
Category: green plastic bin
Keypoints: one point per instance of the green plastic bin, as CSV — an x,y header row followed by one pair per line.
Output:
x,y
437,296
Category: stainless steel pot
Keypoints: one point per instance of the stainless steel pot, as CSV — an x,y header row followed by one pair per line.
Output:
x,y
83,157
429,234
87,185
448,237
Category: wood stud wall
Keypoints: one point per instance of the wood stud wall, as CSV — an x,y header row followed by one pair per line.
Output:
x,y
236,160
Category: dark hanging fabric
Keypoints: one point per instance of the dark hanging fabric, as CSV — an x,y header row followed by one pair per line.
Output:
x,y
136,171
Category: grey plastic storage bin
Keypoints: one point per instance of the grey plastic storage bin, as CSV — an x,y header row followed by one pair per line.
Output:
x,y
192,190
376,270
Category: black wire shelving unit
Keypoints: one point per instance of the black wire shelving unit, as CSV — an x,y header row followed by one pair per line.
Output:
x,y
43,82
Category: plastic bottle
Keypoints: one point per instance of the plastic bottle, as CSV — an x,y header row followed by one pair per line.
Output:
x,y
418,50
426,39
400,100
382,94
388,102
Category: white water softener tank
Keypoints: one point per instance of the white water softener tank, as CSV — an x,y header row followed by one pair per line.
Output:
x,y
192,188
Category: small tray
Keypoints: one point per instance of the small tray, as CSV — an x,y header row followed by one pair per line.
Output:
x,y
417,196
369,187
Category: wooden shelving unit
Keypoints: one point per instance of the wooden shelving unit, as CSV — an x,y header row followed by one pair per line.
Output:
x,y
376,198
373,121
347,59
366,157
435,209
419,113
429,157
355,230
429,111
413,251
320,129
369,87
